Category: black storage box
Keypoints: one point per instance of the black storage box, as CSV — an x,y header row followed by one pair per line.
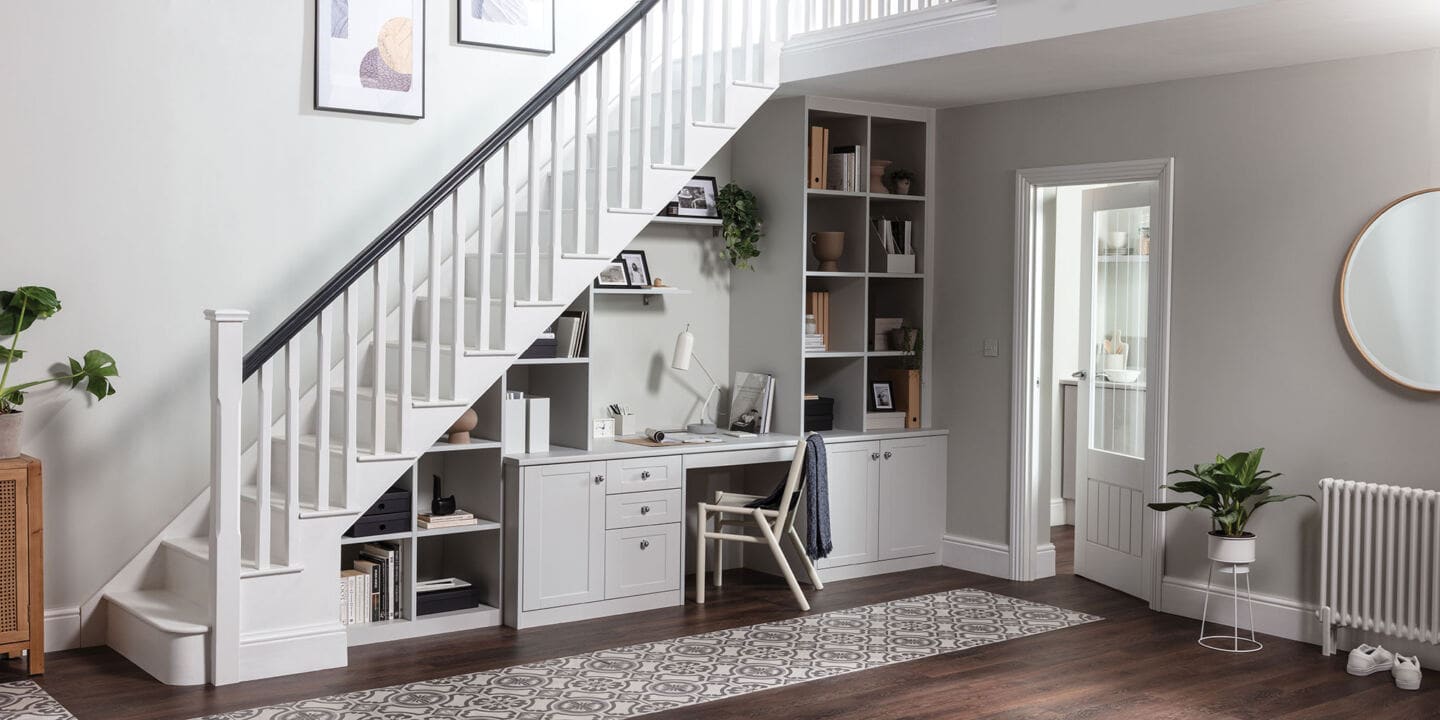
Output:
x,y
820,406
369,525
819,423
439,601
544,348
395,500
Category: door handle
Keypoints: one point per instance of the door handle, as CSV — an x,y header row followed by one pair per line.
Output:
x,y
599,479
887,454
874,456
644,544
644,509
1079,375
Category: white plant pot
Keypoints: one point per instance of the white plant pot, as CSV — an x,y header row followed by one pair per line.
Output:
x,y
10,434
1232,550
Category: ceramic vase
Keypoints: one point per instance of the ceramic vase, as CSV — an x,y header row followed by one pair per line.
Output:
x,y
10,434
459,433
828,248
877,175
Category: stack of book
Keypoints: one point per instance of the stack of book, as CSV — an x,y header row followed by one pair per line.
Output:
x,y
372,590
569,333
885,420
459,518
843,168
543,347
817,303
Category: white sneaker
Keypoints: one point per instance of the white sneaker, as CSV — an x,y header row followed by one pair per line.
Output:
x,y
1406,672
1367,660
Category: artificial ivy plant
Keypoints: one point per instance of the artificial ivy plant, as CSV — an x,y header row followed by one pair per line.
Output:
x,y
740,224
19,309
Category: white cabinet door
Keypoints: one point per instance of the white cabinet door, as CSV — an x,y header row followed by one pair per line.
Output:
x,y
854,483
563,534
912,496
642,560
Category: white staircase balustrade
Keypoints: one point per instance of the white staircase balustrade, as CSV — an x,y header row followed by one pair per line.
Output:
x,y
318,421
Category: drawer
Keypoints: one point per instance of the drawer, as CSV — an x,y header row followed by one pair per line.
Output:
x,y
655,507
637,474
369,525
642,560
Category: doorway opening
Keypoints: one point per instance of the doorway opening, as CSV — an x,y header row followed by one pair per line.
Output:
x,y
1091,339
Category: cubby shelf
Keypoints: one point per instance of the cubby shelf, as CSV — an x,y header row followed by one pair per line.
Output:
x,y
893,196
834,274
474,444
836,354
641,291
553,361
699,222
470,619
484,525
819,192
347,540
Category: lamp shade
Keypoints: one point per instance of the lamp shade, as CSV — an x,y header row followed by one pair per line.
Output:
x,y
684,347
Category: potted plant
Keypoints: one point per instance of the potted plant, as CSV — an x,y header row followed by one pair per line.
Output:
x,y
740,224
1231,489
911,342
900,180
18,311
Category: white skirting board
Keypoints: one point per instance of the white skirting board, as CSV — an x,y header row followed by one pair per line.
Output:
x,y
62,628
981,556
293,650
1062,512
1045,561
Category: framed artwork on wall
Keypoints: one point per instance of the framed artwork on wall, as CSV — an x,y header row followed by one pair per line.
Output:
x,y
370,57
613,276
527,25
698,198
637,267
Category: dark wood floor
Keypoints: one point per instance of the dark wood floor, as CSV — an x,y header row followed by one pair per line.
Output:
x,y
1134,664
1063,538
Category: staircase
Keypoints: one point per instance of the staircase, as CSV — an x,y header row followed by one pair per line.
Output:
x,y
330,408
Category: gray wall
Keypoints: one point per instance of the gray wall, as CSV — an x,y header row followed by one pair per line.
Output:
x,y
1276,171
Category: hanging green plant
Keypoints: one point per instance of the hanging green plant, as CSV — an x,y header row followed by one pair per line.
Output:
x,y
740,224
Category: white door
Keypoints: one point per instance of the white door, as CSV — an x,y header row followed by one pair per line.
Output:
x,y
854,475
912,496
563,545
1115,344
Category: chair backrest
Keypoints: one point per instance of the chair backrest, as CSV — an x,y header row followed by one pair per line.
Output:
x,y
794,484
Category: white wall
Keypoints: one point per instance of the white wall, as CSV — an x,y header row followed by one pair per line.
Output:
x,y
631,344
162,157
1276,171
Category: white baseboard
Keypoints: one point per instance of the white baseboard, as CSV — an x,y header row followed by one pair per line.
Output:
x,y
1045,561
62,628
294,650
980,556
1062,512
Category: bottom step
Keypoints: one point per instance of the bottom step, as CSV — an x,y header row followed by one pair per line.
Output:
x,y
160,631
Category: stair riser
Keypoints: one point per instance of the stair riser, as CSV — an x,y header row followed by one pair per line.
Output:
x,y
171,659
187,575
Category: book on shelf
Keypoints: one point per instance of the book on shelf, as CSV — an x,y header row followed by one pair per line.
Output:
x,y
883,420
456,516
459,519
388,554
570,333
894,235
750,401
843,167
353,585
818,304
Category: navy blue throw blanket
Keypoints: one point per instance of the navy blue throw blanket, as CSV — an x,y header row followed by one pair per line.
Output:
x,y
817,499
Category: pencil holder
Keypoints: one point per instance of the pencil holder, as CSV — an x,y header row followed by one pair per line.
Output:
x,y
626,424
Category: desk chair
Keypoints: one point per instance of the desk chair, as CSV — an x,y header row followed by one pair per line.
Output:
x,y
729,510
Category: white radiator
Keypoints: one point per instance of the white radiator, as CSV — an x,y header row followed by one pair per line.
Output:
x,y
1379,560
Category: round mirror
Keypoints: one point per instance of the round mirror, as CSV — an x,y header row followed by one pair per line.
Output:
x,y
1390,291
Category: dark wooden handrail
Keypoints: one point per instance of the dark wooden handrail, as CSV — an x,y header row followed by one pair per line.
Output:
x,y
357,267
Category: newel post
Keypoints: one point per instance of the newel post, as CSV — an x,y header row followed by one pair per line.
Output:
x,y
227,350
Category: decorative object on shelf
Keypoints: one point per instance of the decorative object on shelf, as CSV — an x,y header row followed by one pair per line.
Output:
x,y
625,421
699,198
828,248
896,238
370,57
882,395
877,176
657,283
1117,243
22,561
907,393
671,209
751,400
512,422
445,595
1231,490
740,216
1144,241
899,180
819,413
459,432
911,341
19,309
537,426
884,327
613,276
684,353
636,267
440,504
526,25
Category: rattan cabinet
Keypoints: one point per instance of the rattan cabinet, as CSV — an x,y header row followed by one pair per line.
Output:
x,y
22,564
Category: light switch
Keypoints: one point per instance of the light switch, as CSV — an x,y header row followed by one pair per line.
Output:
x,y
992,347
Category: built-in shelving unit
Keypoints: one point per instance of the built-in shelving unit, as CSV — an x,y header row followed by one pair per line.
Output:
x,y
770,156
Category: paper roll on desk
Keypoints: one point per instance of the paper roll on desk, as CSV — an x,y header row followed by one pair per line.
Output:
x,y
653,435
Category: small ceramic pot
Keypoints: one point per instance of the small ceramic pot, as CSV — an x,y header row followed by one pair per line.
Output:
x,y
459,433
903,339
877,175
828,248
902,186
10,434
1232,550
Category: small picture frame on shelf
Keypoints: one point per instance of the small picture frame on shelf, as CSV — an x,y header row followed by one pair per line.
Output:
x,y
636,267
613,276
698,199
882,395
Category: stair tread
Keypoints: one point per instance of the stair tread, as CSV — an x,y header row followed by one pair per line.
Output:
x,y
196,547
164,610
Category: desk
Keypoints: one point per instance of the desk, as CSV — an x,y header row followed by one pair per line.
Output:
x,y
597,532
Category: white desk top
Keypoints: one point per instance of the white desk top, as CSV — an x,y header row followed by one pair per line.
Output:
x,y
611,449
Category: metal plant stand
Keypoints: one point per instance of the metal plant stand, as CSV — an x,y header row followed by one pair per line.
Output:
x,y
1233,642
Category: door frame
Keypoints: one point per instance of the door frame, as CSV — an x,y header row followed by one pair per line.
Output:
x,y
1027,488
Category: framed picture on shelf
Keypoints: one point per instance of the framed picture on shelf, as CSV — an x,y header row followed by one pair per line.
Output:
x,y
370,57
698,198
882,394
526,25
636,267
613,276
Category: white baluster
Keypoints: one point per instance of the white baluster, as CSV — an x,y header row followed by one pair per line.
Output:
x,y
508,207
602,142
687,81
727,63
623,198
747,51
667,60
557,208
646,141
378,342
322,410
352,395
532,208
432,284
581,150
406,332
264,451
459,318
482,283
763,44
292,454
707,78
226,356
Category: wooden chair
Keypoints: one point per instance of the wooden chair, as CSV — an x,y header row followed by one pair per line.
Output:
x,y
729,510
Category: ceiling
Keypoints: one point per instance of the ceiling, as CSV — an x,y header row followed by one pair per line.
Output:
x,y
1275,34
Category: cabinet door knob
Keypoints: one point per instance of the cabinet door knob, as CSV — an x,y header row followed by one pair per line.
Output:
x,y
644,474
644,544
887,454
875,456
644,509
599,479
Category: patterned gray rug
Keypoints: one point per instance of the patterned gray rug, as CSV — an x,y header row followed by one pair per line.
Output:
x,y
656,676
25,700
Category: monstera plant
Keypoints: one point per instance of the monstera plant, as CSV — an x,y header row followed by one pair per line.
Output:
x,y
1231,490
19,309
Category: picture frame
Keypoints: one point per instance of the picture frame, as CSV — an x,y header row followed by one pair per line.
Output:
x,y
370,57
636,267
882,395
613,276
699,198
522,25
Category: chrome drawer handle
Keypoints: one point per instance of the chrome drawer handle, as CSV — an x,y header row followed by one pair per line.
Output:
x,y
887,454
644,509
644,474
644,544
875,456
599,479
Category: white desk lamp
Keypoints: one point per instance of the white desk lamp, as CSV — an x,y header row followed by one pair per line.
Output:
x,y
684,351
